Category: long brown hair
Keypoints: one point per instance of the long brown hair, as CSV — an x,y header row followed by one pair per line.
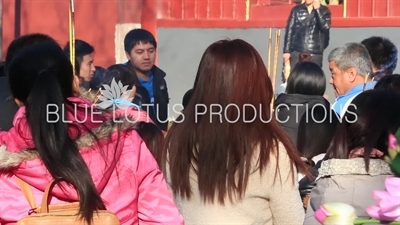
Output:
x,y
219,148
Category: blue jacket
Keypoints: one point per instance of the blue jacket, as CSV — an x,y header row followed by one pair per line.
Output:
x,y
343,101
161,98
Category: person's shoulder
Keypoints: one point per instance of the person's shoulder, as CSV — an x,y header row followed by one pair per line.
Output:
x,y
324,8
132,145
324,101
158,72
282,153
281,98
297,8
344,98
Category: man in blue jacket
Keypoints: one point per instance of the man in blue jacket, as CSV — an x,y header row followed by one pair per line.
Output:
x,y
351,73
151,91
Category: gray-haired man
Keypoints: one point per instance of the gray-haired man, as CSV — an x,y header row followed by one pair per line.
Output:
x,y
349,65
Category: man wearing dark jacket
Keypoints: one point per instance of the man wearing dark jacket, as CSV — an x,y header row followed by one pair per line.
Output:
x,y
151,91
307,31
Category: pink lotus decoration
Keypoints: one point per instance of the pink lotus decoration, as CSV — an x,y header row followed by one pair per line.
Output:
x,y
388,208
393,158
335,213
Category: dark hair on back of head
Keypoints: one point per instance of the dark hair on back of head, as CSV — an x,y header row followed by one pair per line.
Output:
x,y
153,136
2,70
137,36
367,123
383,53
186,98
21,43
40,75
149,132
82,48
306,78
120,72
389,82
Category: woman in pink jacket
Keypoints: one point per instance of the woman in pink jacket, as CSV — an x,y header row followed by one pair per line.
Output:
x,y
56,135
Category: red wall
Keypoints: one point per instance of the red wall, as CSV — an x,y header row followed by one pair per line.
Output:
x,y
95,22
272,13
374,8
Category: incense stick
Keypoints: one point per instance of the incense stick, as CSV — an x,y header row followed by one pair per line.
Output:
x,y
247,10
365,81
269,52
72,34
276,55
97,96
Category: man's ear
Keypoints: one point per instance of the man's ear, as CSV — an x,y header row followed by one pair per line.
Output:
x,y
128,56
351,74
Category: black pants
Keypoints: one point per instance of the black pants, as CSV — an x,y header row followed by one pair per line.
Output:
x,y
315,58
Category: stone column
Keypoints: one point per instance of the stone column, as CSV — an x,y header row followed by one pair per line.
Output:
x,y
129,17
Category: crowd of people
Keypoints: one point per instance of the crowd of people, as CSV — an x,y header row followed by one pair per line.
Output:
x,y
297,153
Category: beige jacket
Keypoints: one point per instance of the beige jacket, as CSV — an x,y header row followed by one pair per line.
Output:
x,y
264,203
345,180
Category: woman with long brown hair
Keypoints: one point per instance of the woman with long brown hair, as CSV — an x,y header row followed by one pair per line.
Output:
x,y
227,160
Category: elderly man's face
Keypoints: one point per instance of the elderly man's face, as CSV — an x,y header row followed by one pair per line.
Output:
x,y
338,79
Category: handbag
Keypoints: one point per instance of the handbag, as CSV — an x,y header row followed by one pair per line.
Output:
x,y
61,214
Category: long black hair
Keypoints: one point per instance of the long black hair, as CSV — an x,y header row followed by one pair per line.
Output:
x,y
369,120
319,122
306,78
389,82
41,75
120,72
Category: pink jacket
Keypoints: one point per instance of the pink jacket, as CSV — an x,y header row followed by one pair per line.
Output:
x,y
132,186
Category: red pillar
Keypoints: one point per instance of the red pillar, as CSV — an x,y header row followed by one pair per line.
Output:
x,y
129,11
149,17
128,17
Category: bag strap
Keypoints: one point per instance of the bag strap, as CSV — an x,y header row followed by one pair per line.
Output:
x,y
45,200
26,190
